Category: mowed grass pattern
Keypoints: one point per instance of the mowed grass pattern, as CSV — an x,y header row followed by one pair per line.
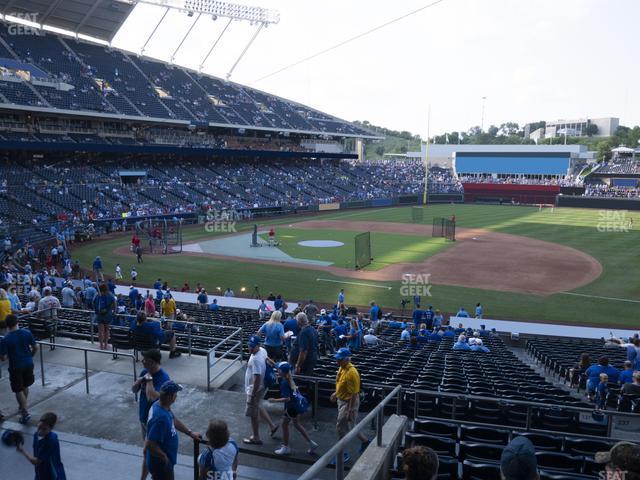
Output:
x,y
387,248
618,253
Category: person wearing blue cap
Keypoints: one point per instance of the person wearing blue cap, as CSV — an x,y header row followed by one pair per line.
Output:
x,y
161,446
288,389
347,396
255,389
518,460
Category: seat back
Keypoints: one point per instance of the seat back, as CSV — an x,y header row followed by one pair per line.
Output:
x,y
121,338
559,461
484,435
480,452
143,341
543,442
480,471
586,447
440,429
40,328
441,445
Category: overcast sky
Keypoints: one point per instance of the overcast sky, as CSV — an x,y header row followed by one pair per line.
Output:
x,y
533,60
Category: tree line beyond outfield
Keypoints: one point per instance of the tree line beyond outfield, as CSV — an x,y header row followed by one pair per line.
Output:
x,y
508,133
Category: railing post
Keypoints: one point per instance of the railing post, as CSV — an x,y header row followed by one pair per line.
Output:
x,y
41,364
340,465
416,396
454,407
91,329
380,419
609,424
86,371
196,454
208,370
529,413
314,405
399,403
190,328
135,375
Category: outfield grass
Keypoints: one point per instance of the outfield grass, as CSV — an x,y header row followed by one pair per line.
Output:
x,y
387,248
578,228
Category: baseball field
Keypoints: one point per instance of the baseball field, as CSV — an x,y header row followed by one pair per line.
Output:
x,y
574,266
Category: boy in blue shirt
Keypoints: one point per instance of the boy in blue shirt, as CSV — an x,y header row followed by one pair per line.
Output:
x,y
287,389
601,391
46,450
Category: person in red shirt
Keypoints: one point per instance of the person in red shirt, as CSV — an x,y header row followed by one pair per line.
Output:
x,y
272,236
185,287
135,242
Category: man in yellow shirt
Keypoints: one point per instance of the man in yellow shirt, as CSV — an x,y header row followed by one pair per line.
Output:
x,y
168,307
347,396
5,310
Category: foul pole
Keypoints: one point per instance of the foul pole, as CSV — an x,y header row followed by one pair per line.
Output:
x,y
426,158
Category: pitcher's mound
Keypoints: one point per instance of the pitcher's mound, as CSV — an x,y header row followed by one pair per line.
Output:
x,y
320,243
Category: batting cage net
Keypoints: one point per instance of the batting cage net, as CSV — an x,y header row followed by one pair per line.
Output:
x,y
444,227
417,214
162,235
363,250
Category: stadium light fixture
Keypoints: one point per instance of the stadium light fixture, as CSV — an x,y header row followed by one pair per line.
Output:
x,y
257,17
217,8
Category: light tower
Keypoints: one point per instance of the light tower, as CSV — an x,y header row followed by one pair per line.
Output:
x,y
257,17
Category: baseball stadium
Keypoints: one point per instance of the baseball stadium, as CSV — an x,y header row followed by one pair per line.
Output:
x,y
200,279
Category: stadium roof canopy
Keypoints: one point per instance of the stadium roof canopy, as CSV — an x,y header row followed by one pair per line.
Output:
x,y
99,19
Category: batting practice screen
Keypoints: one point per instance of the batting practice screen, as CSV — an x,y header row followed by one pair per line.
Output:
x,y
417,214
444,227
363,250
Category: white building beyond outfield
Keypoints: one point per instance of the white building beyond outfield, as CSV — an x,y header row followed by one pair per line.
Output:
x,y
442,155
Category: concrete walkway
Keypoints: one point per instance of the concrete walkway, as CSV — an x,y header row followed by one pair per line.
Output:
x,y
100,432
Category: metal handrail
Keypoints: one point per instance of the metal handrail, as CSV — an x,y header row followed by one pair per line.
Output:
x,y
56,320
338,449
52,346
86,360
212,352
235,332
